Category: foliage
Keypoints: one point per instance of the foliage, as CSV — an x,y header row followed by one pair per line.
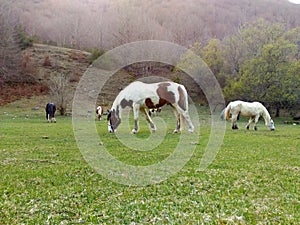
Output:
x,y
247,43
95,54
12,40
213,56
293,36
45,179
25,40
264,71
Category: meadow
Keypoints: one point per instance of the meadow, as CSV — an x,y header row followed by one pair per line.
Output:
x,y
44,178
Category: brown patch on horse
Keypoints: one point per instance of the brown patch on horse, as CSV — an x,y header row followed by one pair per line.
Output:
x,y
125,103
165,95
181,101
149,103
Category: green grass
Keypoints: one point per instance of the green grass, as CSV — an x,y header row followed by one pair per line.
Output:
x,y
44,178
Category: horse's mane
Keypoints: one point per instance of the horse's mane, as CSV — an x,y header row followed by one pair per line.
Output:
x,y
266,114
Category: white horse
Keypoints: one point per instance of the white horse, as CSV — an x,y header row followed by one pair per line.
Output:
x,y
142,97
99,112
254,110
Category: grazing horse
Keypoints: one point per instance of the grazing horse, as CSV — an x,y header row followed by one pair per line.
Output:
x,y
50,112
142,97
254,110
99,112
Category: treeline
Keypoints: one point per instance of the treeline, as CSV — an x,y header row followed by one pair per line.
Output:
x,y
13,39
105,24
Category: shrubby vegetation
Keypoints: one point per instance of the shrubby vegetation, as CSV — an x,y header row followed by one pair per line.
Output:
x,y
25,40
95,54
263,70
259,63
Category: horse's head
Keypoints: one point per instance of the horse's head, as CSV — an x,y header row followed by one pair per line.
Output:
x,y
271,125
113,120
99,111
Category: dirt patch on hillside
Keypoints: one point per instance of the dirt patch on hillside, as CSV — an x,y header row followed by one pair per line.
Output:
x,y
17,91
41,63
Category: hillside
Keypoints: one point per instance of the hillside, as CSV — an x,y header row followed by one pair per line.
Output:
x,y
43,61
110,23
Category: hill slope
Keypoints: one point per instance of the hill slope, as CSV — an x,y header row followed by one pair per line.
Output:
x,y
43,62
106,24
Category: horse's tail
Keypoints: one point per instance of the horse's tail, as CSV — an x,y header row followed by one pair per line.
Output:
x,y
183,104
227,111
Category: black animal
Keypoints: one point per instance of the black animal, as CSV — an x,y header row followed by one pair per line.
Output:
x,y
50,112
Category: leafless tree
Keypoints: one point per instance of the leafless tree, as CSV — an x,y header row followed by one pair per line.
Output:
x,y
60,91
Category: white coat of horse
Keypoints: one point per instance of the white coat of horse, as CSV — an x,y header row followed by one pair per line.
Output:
x,y
142,96
99,112
254,110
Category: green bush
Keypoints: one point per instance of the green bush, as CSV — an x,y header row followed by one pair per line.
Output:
x,y
95,53
25,41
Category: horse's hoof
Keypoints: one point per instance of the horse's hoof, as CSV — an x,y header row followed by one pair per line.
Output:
x,y
134,131
175,131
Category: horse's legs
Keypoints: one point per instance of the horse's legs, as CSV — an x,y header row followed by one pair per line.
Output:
x,y
148,118
181,114
187,118
136,109
250,121
233,120
256,121
177,115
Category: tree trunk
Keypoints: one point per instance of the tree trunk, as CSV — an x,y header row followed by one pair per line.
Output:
x,y
277,111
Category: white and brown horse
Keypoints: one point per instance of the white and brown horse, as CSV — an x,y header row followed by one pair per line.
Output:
x,y
50,112
141,97
99,112
254,110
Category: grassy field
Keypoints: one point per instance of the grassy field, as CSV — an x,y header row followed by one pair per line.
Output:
x,y
44,178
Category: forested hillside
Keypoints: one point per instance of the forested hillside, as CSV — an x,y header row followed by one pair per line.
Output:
x,y
109,23
251,46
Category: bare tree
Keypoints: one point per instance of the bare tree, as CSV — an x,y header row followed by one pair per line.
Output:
x,y
60,91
